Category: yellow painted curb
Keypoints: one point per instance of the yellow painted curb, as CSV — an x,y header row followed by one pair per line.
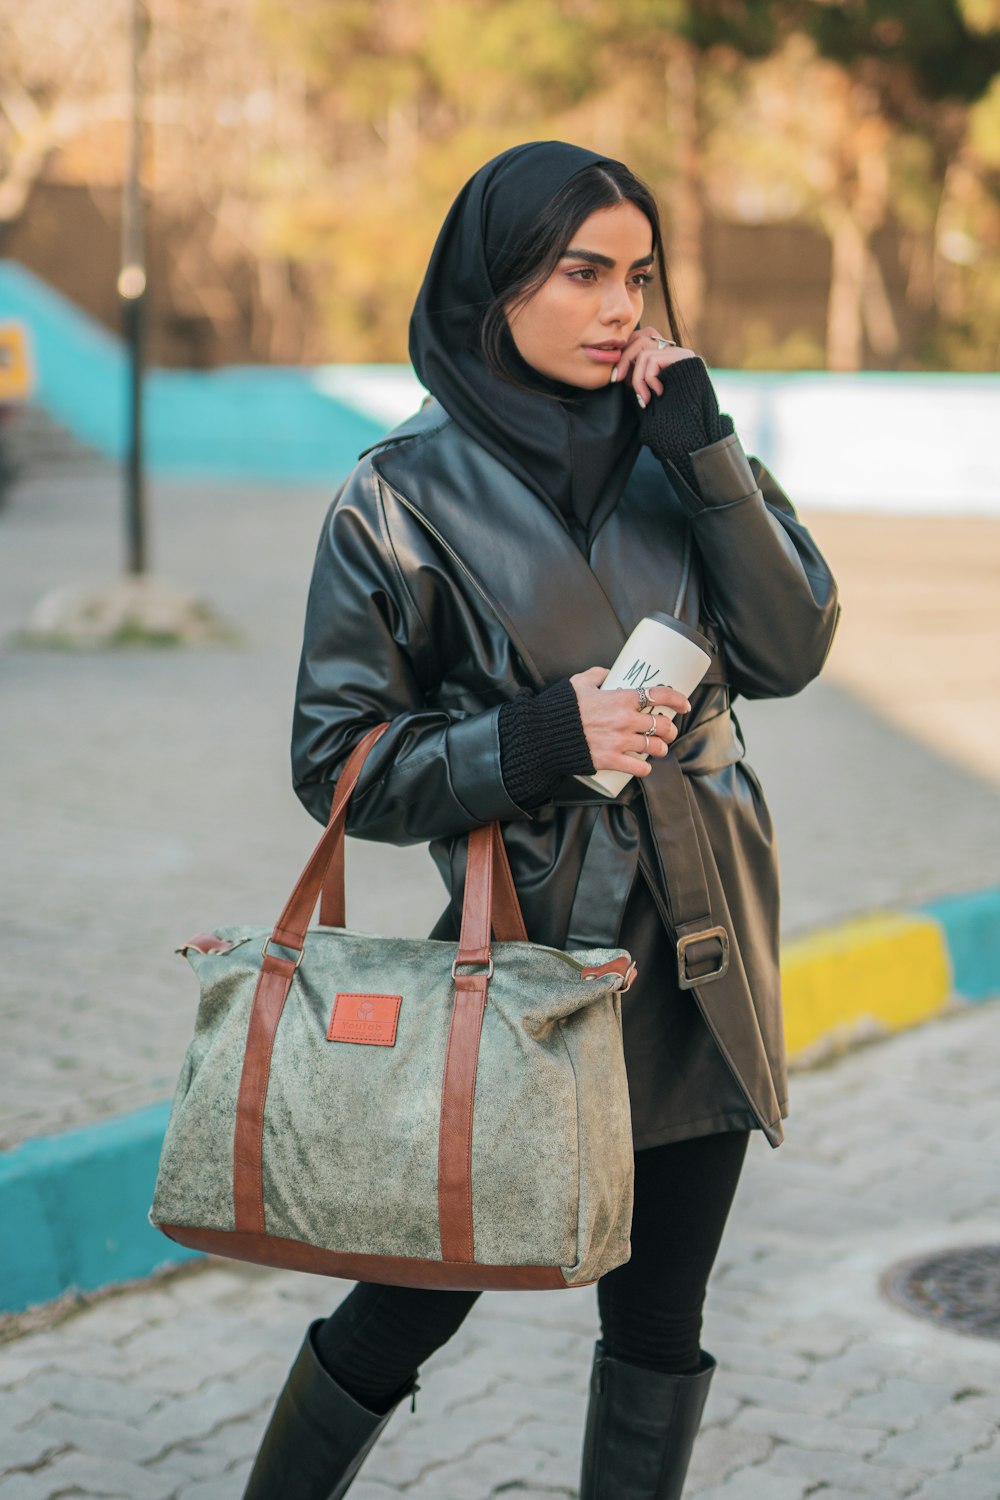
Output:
x,y
877,974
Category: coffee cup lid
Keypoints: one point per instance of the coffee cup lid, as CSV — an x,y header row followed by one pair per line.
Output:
x,y
682,628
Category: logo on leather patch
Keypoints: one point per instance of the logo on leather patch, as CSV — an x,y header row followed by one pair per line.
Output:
x,y
370,1019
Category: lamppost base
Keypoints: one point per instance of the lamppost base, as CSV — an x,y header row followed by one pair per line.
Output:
x,y
138,610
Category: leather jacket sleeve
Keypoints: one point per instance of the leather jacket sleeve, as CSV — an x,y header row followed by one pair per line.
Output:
x,y
767,585
367,657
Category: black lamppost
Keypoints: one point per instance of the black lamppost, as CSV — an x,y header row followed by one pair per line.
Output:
x,y
132,291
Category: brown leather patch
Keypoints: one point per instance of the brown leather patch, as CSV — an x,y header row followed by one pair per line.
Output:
x,y
364,1018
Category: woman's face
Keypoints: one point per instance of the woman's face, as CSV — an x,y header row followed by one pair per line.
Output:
x,y
575,325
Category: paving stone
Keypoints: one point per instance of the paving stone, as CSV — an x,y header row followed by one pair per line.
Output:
x,y
512,1399
756,1359
23,1486
196,1416
721,1451
851,1473
863,1367
487,1468
57,1428
834,1492
755,1484
933,1445
369,1489
30,1447
721,1406
92,1397
809,1432
225,1486
192,1462
954,1486
520,1492
975,1478
104,1475
231,1443
415,1448
21,1407
898,1403
806,1396
817,1341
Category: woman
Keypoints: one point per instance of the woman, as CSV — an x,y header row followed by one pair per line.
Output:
x,y
475,578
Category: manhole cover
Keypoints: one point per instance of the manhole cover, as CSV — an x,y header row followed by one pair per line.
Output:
x,y
959,1288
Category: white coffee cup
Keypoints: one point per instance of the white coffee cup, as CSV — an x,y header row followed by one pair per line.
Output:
x,y
660,652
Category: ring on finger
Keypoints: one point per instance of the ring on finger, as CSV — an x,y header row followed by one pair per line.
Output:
x,y
662,343
648,733
643,698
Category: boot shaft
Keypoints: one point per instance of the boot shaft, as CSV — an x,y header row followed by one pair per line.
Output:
x,y
641,1429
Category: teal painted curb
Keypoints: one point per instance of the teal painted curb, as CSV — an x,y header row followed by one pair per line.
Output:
x,y
971,926
73,1207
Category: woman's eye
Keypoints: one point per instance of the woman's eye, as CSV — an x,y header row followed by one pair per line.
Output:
x,y
588,273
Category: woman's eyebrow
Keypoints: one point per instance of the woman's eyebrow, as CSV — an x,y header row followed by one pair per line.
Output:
x,y
603,260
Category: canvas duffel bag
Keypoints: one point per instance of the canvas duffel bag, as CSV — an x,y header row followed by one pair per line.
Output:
x,y
403,1110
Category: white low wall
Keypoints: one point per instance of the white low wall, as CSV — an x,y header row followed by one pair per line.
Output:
x,y
925,443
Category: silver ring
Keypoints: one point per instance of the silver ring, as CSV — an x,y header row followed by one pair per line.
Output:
x,y
650,731
643,699
662,343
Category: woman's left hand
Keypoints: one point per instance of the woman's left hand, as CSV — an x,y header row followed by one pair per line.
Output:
x,y
644,359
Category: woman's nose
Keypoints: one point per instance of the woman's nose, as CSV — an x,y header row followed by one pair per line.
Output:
x,y
617,306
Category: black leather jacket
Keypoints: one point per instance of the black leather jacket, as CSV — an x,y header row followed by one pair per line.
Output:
x,y
442,584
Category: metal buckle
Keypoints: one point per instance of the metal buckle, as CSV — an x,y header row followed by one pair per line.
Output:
x,y
489,971
264,953
684,980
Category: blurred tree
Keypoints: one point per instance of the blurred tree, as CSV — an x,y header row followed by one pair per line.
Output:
x,y
60,74
907,75
216,136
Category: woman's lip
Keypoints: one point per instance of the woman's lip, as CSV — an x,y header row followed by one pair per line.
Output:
x,y
603,356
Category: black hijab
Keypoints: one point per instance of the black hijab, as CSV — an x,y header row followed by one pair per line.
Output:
x,y
575,453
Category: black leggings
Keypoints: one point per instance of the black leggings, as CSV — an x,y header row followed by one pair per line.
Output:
x,y
650,1307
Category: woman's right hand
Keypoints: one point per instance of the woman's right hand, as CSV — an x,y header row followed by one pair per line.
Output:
x,y
613,724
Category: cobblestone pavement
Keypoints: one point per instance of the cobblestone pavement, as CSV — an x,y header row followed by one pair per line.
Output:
x,y
145,794
823,1388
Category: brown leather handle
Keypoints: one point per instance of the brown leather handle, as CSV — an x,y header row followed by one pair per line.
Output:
x,y
291,927
490,897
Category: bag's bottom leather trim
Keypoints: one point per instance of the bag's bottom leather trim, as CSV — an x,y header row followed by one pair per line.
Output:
x,y
389,1270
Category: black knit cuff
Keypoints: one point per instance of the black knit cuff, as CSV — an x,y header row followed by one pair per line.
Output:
x,y
685,418
541,742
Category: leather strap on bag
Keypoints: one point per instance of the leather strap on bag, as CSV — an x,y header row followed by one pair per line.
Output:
x,y
488,882
275,981
458,1090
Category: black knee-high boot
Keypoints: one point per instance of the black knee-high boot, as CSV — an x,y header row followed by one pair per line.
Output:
x,y
318,1436
641,1427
